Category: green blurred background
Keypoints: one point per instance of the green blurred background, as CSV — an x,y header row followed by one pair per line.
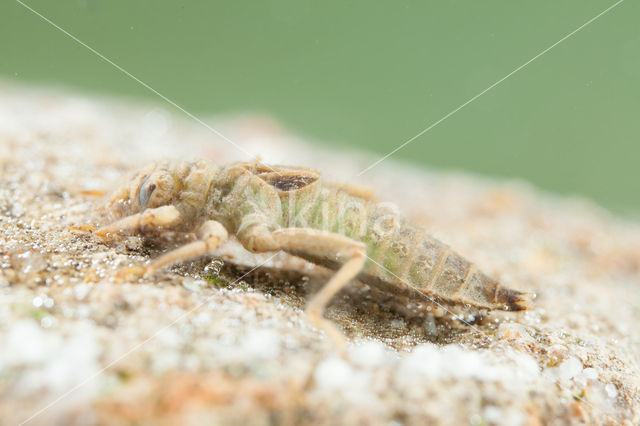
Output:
x,y
373,74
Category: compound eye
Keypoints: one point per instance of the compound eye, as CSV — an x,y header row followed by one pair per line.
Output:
x,y
146,189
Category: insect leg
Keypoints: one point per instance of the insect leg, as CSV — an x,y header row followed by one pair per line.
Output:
x,y
210,235
160,216
300,240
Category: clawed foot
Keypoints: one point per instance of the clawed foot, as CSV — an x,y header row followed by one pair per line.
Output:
x,y
334,334
90,229
83,229
132,273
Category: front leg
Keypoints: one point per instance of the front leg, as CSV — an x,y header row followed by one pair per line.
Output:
x,y
210,235
318,244
165,216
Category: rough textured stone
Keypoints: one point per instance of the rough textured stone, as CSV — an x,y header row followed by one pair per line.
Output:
x,y
200,343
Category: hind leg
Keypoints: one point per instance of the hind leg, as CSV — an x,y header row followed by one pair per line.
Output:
x,y
298,241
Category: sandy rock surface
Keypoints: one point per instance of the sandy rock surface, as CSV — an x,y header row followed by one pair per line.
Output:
x,y
215,342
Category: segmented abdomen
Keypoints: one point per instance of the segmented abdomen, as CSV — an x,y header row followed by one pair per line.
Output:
x,y
399,253
404,254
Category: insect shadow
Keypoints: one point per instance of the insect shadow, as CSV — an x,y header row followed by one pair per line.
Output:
x,y
360,310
